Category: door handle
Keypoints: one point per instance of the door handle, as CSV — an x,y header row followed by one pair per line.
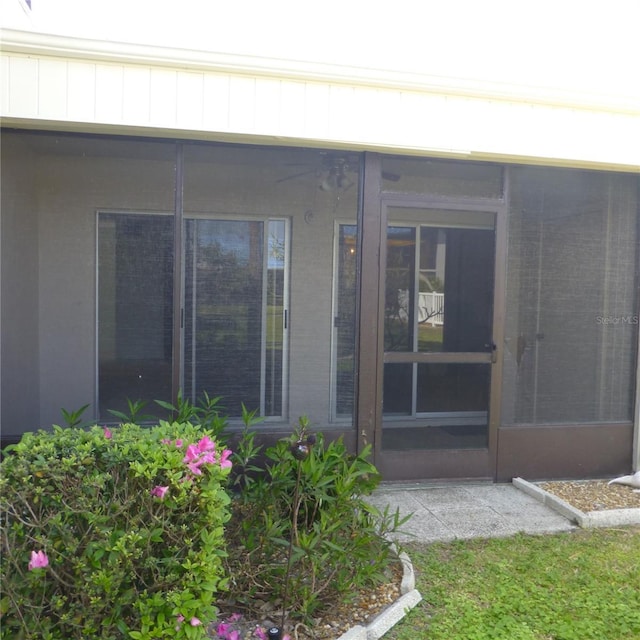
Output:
x,y
493,347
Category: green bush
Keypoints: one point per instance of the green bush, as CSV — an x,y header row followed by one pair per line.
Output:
x,y
304,535
128,521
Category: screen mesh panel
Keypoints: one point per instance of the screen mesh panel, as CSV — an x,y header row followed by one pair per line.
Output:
x,y
572,297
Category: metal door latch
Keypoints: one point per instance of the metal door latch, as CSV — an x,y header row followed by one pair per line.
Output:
x,y
491,346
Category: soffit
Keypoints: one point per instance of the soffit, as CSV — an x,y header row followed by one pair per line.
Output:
x,y
31,43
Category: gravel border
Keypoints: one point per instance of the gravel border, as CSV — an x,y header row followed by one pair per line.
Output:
x,y
607,518
396,611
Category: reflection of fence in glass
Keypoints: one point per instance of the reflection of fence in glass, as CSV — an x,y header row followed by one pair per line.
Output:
x,y
430,307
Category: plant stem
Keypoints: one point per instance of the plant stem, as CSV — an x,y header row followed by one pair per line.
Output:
x,y
294,533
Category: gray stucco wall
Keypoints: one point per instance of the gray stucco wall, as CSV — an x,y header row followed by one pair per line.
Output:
x,y
71,190
19,297
49,253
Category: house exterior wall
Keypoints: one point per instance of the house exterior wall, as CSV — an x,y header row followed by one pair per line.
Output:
x,y
70,190
49,315
65,83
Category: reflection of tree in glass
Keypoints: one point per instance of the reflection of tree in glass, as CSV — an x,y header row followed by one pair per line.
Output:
x,y
229,320
232,279
399,299
345,320
432,282
275,278
276,248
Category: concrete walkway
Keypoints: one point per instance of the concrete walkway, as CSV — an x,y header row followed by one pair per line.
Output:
x,y
459,511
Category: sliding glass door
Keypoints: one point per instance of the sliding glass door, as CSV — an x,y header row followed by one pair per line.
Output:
x,y
235,312
234,318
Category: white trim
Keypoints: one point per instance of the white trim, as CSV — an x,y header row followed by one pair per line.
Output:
x,y
32,43
334,307
286,306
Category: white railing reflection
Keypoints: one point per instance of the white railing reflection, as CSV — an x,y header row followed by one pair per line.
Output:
x,y
430,307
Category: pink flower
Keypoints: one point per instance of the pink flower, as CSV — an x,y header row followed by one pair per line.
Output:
x,y
38,560
194,467
225,463
179,443
209,457
195,622
234,635
165,441
107,433
235,617
191,454
206,444
222,629
198,454
180,618
260,633
159,492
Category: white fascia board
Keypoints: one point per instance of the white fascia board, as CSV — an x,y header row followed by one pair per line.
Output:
x,y
32,43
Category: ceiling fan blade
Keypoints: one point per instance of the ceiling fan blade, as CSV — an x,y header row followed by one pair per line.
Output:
x,y
296,175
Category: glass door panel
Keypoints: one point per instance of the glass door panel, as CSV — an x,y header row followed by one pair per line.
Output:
x,y
451,406
135,309
275,309
397,390
235,313
399,302
438,328
344,322
452,388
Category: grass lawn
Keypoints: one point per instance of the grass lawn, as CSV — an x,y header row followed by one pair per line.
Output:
x,y
583,585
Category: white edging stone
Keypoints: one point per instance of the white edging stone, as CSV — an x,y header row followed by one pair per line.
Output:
x,y
608,518
355,633
408,576
391,615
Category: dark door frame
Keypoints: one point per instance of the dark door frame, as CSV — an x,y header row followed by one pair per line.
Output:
x,y
372,226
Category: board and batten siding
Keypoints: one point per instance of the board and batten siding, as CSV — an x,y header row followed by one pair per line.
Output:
x,y
147,91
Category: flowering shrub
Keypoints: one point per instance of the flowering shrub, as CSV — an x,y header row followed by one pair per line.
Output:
x,y
112,533
305,534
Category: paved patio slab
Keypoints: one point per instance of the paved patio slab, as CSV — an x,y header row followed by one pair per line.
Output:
x,y
481,510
